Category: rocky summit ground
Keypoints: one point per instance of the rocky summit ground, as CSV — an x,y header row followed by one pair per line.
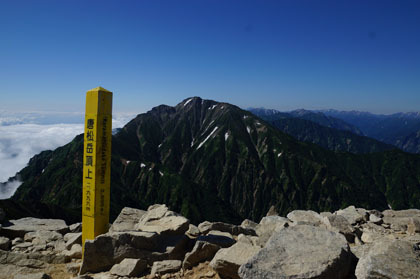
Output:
x,y
159,243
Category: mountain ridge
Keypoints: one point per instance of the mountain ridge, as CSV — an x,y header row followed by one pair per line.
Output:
x,y
214,161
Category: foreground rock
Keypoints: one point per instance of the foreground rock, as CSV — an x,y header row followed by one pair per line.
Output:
x,y
159,219
227,261
20,227
163,267
129,267
202,251
127,220
301,251
390,259
160,236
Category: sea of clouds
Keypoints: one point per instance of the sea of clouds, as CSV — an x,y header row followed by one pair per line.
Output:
x,y
23,135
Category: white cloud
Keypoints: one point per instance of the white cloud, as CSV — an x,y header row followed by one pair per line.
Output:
x,y
24,135
18,143
8,189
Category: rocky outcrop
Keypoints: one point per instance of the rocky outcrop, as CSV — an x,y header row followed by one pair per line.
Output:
x,y
301,251
159,243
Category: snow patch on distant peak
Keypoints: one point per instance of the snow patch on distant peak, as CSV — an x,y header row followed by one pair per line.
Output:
x,y
226,135
245,116
281,153
213,106
222,107
248,129
204,141
161,173
142,165
187,102
159,145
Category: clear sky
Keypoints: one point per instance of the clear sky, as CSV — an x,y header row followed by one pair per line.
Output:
x,y
362,55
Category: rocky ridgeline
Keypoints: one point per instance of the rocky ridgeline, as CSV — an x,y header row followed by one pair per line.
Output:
x,y
159,243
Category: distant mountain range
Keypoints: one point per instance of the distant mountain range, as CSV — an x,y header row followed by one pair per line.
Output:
x,y
400,130
215,161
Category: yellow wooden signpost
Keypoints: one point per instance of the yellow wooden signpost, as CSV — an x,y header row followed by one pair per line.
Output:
x,y
96,163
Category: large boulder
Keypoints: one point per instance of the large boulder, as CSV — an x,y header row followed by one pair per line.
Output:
x,y
390,259
127,220
161,220
20,227
301,251
227,261
305,217
201,252
109,249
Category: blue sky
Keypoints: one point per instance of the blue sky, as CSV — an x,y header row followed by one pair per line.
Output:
x,y
362,55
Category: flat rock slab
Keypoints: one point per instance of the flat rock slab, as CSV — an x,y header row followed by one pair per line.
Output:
x,y
164,267
303,252
20,227
390,259
129,267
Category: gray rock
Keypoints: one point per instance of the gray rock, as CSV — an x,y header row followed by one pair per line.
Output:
x,y
42,237
206,226
375,219
352,215
413,226
75,252
162,221
5,243
202,251
38,275
227,261
112,248
305,217
398,220
248,224
73,268
338,223
372,232
72,238
268,225
389,259
222,239
20,227
129,267
302,251
127,220
75,228
193,231
163,267
272,211
17,240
